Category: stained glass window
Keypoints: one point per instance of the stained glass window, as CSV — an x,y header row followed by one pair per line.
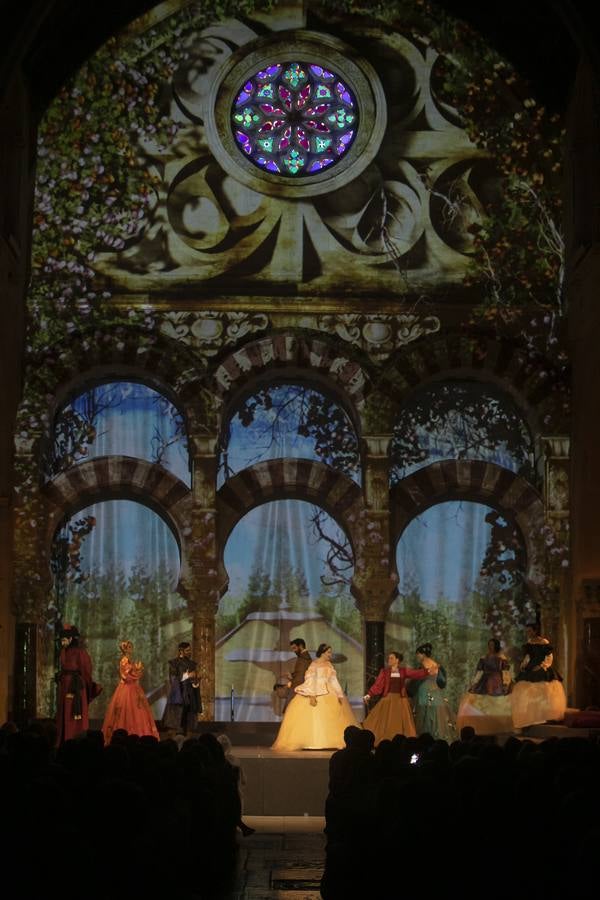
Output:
x,y
294,118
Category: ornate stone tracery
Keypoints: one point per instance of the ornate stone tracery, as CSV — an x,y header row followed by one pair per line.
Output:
x,y
396,219
403,199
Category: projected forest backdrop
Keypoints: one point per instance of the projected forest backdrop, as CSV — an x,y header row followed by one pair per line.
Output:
x,y
456,353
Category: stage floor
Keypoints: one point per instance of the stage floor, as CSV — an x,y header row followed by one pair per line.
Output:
x,y
284,783
295,783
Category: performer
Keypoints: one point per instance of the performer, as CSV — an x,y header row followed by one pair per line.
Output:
x,y
432,712
538,695
486,706
128,707
184,704
392,715
76,690
303,661
317,716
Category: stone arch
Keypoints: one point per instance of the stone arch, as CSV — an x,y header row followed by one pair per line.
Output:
x,y
477,481
290,355
122,478
104,374
163,361
502,363
165,365
280,479
288,376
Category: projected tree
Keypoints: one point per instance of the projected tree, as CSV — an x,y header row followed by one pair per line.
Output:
x,y
460,420
289,420
118,418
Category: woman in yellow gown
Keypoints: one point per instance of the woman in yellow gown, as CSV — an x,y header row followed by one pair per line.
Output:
x,y
316,717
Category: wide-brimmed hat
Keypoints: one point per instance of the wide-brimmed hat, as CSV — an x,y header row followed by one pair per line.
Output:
x,y
69,631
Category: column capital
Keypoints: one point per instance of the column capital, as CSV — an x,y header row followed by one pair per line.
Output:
x,y
374,594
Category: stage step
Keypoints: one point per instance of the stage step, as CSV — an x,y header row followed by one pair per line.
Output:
x,y
244,734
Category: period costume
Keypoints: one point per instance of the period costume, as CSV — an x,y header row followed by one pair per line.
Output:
x,y
76,689
183,700
538,695
393,714
308,727
128,707
431,708
486,706
303,661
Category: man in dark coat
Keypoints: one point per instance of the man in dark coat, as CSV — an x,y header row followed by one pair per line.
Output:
x,y
303,661
184,704
76,690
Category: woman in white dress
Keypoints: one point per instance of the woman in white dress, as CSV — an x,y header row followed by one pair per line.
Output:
x,y
316,717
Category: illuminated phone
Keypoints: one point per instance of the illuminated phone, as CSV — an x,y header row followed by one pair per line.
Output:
x,y
414,758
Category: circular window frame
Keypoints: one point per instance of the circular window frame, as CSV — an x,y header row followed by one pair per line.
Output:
x,y
304,46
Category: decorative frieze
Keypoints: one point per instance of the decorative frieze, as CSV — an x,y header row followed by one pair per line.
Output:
x,y
378,335
210,332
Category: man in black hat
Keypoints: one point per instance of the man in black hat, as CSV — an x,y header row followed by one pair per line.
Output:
x,y
76,690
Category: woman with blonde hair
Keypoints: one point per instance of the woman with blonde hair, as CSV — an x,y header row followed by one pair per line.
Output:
x,y
128,708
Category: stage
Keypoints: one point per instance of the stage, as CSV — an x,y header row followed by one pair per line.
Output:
x,y
277,783
296,783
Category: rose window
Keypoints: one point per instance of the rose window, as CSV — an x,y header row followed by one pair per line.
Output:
x,y
294,118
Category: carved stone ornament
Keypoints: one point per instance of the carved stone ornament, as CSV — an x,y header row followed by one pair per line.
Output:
x,y
395,210
324,50
557,487
378,335
209,332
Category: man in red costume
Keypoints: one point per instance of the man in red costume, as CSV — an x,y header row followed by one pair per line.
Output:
x,y
76,690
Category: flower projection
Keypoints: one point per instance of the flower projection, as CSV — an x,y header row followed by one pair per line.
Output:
x,y
294,118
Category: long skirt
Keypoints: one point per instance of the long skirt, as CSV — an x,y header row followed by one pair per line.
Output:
x,y
391,716
432,711
129,709
486,713
536,702
320,727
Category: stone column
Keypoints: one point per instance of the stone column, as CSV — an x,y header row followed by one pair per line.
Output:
x,y
555,605
28,607
582,276
25,673
587,664
203,588
31,579
203,603
373,584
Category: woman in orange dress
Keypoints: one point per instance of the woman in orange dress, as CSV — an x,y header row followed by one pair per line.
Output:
x,y
128,707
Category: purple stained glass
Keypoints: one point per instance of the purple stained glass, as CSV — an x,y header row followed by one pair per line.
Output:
x,y
244,141
244,94
298,117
